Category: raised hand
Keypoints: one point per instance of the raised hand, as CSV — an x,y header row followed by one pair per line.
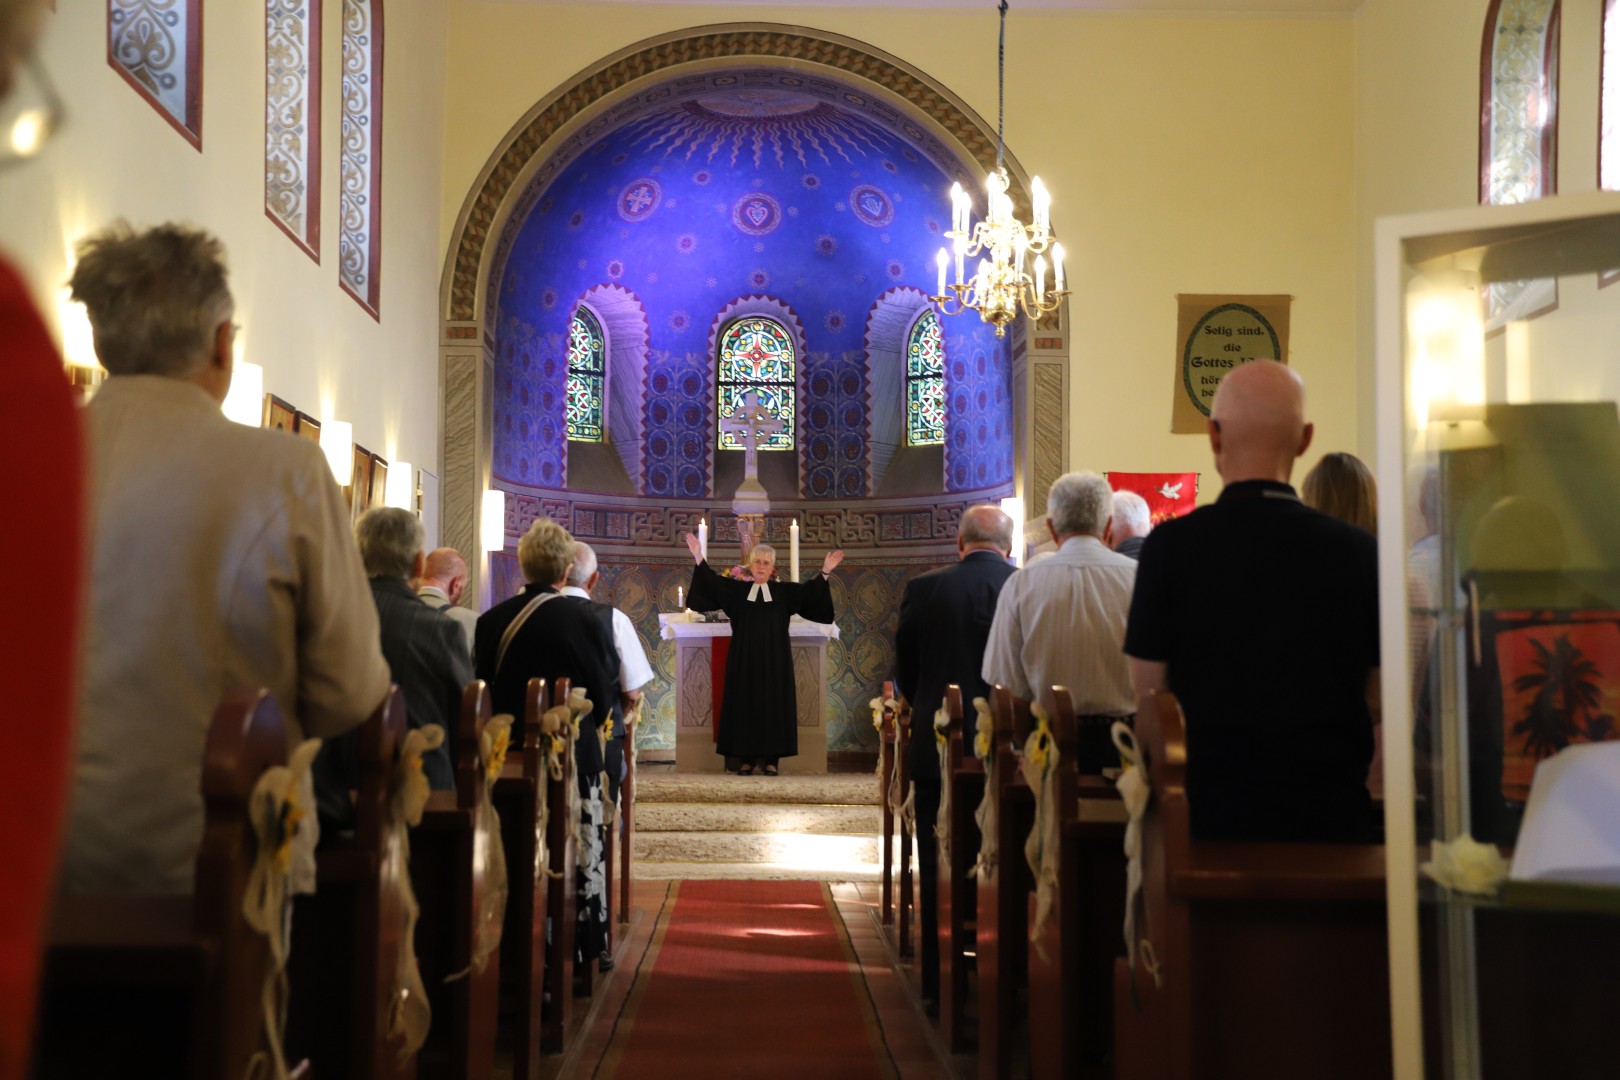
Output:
x,y
693,546
830,563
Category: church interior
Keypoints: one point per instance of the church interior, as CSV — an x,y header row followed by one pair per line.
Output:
x,y
528,255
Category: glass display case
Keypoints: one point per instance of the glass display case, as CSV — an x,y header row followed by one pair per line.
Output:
x,y
1499,563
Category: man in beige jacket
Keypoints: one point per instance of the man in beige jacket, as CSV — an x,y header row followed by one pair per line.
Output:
x,y
220,558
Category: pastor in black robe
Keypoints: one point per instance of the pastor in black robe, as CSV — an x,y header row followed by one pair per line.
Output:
x,y
759,716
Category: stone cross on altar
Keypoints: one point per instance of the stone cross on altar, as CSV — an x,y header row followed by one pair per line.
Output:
x,y
749,422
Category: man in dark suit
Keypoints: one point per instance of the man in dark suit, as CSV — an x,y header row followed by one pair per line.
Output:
x,y
945,618
426,654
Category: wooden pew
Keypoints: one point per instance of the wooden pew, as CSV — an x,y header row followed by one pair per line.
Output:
x,y
347,936
519,797
1274,957
1071,986
561,903
449,873
1003,895
957,894
885,780
158,985
627,805
902,757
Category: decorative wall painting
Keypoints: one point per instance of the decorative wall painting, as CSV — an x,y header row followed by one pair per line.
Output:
x,y
278,415
379,482
359,482
307,426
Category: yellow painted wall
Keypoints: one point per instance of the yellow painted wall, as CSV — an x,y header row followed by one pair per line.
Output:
x,y
118,158
1185,154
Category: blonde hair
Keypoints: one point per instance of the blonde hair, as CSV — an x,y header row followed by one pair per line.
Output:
x,y
1341,486
545,553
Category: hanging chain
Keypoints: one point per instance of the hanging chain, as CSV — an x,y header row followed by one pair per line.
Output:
x,y
1001,89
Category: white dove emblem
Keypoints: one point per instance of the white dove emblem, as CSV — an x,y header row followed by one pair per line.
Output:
x,y
1171,491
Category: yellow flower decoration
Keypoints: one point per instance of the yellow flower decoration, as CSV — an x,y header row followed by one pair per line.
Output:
x,y
497,750
287,828
942,726
1038,747
983,728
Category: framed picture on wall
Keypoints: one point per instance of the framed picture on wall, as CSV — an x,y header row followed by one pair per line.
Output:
x,y
307,426
359,482
278,415
378,496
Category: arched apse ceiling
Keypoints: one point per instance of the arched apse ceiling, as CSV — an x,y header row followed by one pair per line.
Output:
x,y
721,185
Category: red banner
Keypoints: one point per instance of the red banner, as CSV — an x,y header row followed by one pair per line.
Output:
x,y
1168,495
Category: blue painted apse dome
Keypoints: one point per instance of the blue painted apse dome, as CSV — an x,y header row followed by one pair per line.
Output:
x,y
723,195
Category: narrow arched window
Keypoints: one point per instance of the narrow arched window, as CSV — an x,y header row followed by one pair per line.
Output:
x,y
925,382
587,356
1518,138
1609,141
757,354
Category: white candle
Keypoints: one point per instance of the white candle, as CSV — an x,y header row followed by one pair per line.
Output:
x,y
703,538
961,258
940,261
1040,276
680,598
793,533
1057,265
1042,201
956,207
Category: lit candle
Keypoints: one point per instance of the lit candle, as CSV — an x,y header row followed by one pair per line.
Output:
x,y
956,208
1057,265
1040,276
793,533
1043,203
680,598
961,258
1020,246
940,260
703,538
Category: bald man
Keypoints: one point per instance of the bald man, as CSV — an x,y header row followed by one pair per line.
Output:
x,y
1261,615
444,577
945,618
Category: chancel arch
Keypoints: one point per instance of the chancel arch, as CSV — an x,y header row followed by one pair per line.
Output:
x,y
742,171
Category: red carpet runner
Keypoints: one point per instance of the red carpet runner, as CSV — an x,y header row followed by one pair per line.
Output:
x,y
748,979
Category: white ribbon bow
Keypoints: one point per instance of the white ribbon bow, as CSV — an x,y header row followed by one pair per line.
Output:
x,y
759,587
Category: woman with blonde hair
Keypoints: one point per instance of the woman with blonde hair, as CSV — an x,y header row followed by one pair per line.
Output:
x,y
1341,486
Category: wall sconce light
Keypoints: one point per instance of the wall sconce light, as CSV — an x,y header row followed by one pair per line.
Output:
x,y
1013,507
400,488
337,443
493,524
245,403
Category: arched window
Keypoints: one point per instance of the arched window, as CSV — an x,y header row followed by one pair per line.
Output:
x,y
925,382
1518,138
1609,143
587,355
757,354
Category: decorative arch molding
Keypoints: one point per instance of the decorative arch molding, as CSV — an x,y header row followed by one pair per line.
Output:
x,y
585,105
887,325
624,322
765,307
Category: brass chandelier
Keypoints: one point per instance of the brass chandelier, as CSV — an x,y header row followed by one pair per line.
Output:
x,y
1001,283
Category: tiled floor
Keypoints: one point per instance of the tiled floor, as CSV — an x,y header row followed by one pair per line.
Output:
x,y
912,1040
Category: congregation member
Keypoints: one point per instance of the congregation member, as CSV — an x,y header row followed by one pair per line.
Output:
x,y
945,618
220,558
759,714
40,434
423,647
540,634
442,582
1132,522
1061,621
1341,486
634,670
1261,616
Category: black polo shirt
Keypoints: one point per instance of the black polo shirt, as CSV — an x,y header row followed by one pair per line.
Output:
x,y
1265,613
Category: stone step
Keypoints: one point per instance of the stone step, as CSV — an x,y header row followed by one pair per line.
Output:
x,y
654,785
718,871
809,852
657,817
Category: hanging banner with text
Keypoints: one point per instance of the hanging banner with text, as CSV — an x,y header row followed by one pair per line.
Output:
x,y
1168,495
1214,334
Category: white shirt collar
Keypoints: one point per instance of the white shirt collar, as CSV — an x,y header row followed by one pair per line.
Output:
x,y
574,590
760,587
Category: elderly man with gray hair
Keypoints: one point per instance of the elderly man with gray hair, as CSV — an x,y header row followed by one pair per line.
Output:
x,y
220,558
634,670
1133,520
1061,621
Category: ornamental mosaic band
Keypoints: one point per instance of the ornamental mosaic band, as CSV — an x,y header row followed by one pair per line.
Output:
x,y
759,715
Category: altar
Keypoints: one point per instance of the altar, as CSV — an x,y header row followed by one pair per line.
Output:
x,y
696,685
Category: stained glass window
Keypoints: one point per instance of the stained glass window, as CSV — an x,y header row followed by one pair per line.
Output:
x,y
1519,130
925,382
757,354
587,353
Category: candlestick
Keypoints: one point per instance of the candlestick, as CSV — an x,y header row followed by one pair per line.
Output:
x,y
793,533
703,538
